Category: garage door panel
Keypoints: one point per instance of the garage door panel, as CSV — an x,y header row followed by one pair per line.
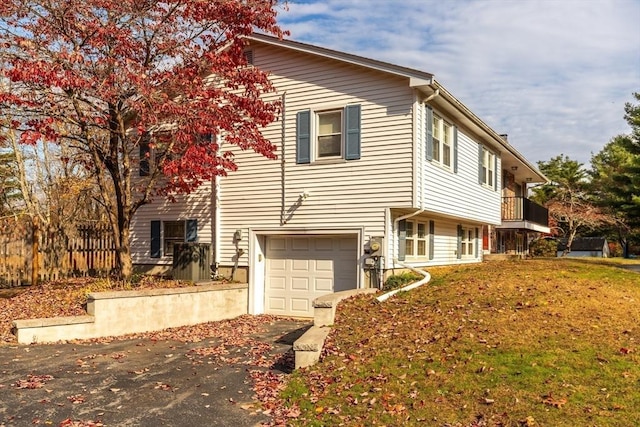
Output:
x,y
278,265
323,285
276,304
346,245
300,283
302,268
323,244
324,265
300,244
301,306
278,282
277,244
299,265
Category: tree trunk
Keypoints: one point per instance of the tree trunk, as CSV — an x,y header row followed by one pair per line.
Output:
x,y
624,243
35,259
572,234
125,263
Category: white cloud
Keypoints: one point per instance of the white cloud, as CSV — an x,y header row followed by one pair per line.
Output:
x,y
554,75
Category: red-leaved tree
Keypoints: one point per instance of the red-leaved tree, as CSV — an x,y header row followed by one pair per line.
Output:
x,y
106,74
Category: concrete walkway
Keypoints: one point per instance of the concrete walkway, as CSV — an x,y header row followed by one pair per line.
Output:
x,y
139,382
633,267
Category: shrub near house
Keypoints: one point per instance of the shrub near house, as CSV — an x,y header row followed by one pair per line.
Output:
x,y
543,248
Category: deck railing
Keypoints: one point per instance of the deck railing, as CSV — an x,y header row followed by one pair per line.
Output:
x,y
523,209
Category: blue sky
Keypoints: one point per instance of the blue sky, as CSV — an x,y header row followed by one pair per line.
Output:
x,y
552,74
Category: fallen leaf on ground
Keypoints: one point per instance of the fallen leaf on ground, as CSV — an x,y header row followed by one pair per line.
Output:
x,y
33,381
556,403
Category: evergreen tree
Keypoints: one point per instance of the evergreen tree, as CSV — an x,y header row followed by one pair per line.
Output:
x,y
616,179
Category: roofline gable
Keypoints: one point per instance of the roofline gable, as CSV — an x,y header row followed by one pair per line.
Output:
x,y
416,77
419,80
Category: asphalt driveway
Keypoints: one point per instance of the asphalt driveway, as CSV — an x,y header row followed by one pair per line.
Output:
x,y
143,382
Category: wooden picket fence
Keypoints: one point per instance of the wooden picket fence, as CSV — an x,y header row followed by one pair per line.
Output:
x,y
89,250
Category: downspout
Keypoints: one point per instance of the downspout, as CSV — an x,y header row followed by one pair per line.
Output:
x,y
283,193
395,261
427,276
216,224
426,279
433,95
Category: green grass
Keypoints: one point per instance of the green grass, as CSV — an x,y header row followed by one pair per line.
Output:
x,y
539,342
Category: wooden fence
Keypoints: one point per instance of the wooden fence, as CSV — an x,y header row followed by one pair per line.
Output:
x,y
88,250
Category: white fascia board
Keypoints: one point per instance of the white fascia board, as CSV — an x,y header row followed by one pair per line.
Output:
x,y
473,120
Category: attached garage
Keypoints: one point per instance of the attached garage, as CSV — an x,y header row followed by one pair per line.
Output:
x,y
300,268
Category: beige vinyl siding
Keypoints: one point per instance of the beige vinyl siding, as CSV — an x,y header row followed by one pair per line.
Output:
x,y
345,194
196,205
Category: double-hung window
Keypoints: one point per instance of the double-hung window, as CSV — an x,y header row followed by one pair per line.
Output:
x,y
327,134
174,233
165,235
487,168
442,136
416,239
468,241
441,140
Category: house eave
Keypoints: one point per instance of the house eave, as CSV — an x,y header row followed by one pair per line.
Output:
x,y
427,85
523,225
508,153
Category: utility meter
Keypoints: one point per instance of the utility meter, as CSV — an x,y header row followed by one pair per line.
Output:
x,y
375,246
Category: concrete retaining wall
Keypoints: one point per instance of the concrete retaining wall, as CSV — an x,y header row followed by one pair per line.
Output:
x,y
126,312
308,348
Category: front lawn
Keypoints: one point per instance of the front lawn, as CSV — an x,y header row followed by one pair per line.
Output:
x,y
530,343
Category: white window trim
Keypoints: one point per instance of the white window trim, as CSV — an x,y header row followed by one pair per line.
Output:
x,y
444,129
415,239
488,165
314,134
468,242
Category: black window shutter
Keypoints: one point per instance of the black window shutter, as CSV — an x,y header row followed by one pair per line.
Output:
x,y
145,151
455,149
480,174
303,137
192,230
352,129
495,172
432,227
429,132
459,241
477,241
402,239
156,241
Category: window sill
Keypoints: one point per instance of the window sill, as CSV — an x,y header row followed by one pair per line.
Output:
x,y
328,161
441,166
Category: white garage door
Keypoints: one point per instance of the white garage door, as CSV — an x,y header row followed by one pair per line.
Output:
x,y
302,268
